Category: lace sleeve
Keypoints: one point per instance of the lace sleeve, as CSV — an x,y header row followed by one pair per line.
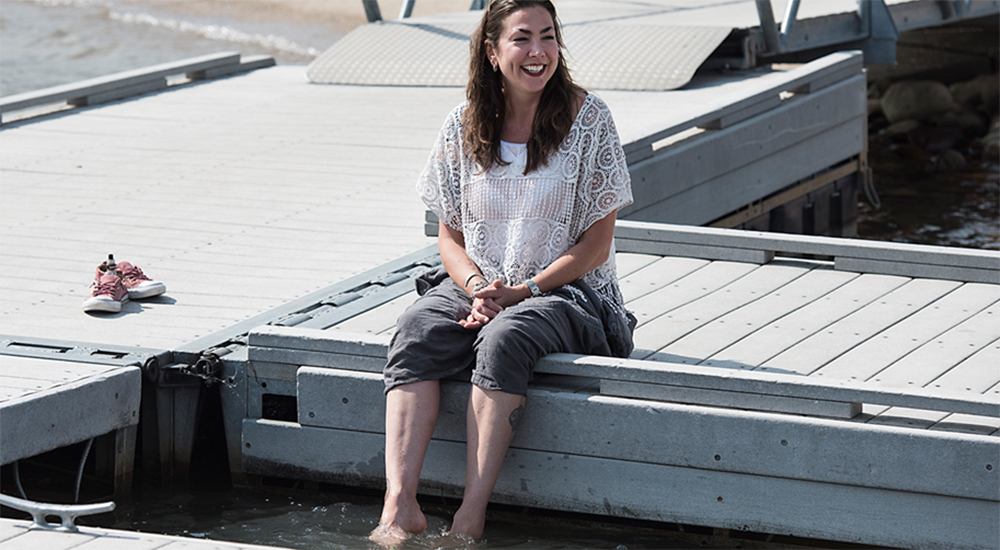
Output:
x,y
439,185
607,184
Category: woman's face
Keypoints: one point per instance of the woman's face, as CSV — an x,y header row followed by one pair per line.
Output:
x,y
526,52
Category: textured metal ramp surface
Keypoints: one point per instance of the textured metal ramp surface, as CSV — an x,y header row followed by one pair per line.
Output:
x,y
601,56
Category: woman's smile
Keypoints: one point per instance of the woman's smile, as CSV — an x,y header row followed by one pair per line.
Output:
x,y
527,52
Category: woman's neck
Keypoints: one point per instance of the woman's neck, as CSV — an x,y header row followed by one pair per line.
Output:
x,y
519,117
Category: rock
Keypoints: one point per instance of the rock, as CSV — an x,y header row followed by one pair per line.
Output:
x,y
949,160
971,123
916,99
907,152
900,130
935,139
982,92
991,145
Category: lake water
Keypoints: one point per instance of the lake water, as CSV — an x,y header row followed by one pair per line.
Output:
x,y
50,42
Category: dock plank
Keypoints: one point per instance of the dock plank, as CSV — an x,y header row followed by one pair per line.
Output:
x,y
875,357
628,263
656,275
833,341
686,289
53,372
725,331
788,331
956,359
18,535
977,371
673,324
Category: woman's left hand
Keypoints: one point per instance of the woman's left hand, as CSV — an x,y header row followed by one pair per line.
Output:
x,y
490,301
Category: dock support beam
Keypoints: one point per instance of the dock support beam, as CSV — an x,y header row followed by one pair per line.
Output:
x,y
372,12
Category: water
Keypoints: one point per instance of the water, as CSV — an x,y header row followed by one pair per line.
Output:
x,y
320,521
50,42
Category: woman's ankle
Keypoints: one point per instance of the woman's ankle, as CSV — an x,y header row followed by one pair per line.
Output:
x,y
468,523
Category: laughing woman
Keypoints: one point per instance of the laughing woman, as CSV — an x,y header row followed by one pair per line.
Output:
x,y
526,178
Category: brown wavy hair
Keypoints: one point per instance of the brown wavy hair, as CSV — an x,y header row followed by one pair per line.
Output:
x,y
483,119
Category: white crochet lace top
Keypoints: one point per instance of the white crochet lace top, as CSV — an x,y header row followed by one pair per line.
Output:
x,y
514,224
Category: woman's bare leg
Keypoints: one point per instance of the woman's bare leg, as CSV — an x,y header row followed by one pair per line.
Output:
x,y
411,412
491,421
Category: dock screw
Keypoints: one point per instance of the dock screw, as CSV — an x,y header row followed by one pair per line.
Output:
x,y
784,442
989,467
312,414
718,458
345,400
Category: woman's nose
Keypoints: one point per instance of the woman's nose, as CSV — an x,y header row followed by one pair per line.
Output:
x,y
536,49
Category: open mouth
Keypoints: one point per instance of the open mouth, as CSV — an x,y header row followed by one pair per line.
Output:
x,y
533,69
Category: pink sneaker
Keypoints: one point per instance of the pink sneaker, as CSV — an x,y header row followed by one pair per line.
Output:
x,y
108,295
137,284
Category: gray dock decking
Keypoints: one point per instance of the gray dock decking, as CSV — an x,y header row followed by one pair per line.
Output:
x,y
18,535
769,394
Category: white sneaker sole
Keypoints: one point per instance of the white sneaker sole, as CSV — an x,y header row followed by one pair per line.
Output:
x,y
146,290
105,305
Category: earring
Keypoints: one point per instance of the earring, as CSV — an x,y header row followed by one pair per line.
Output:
x,y
494,63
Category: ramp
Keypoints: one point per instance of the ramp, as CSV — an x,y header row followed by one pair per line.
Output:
x,y
604,57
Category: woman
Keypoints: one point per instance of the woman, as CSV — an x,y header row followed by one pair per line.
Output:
x,y
526,178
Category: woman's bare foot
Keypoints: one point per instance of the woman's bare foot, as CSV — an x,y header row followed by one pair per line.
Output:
x,y
468,525
401,519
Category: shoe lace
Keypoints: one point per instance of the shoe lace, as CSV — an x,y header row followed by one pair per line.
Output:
x,y
105,286
135,274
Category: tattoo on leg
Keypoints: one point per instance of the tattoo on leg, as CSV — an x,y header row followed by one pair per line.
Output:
x,y
515,417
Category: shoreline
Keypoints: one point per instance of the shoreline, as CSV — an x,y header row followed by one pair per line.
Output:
x,y
340,15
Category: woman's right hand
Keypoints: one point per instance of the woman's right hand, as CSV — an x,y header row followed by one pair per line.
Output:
x,y
483,310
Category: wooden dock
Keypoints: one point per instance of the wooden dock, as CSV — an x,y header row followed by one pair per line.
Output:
x,y
19,535
852,396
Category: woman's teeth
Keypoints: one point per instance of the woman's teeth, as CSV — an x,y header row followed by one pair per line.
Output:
x,y
534,69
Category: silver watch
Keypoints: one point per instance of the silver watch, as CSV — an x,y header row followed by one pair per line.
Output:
x,y
535,292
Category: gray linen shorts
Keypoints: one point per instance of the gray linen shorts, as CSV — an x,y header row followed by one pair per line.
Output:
x,y
430,344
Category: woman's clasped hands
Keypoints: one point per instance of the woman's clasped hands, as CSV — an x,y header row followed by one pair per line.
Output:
x,y
490,300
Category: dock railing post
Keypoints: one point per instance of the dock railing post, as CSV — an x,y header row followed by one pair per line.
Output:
x,y
371,10
879,32
406,9
769,26
788,23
